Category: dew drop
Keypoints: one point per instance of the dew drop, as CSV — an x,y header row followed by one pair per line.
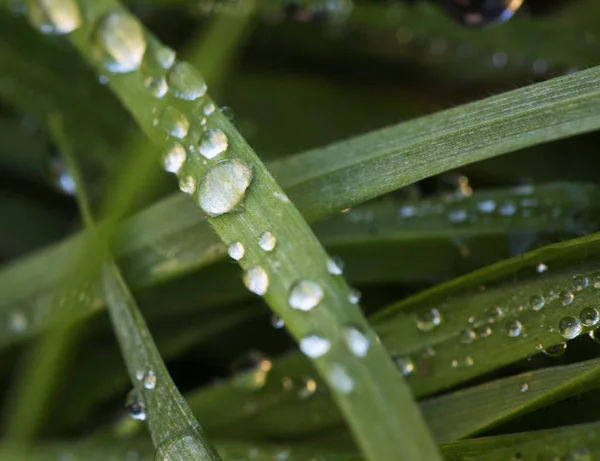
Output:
x,y
256,280
596,281
566,298
340,379
185,82
121,43
335,265
236,251
524,387
251,370
427,321
493,314
55,17
404,364
267,241
224,186
354,296
536,302
514,328
468,336
507,209
307,388
208,109
134,405
228,113
589,316
457,216
187,184
174,159
356,340
305,295
277,322
213,143
18,322
150,380
314,346
556,350
483,332
157,86
579,282
164,56
569,327
541,268
595,335
173,122
139,374
486,206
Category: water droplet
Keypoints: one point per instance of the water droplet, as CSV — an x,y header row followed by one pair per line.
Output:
x,y
579,282
536,302
150,380
277,322
457,216
224,186
486,206
236,250
164,56
213,143
556,350
267,241
427,321
569,327
480,14
174,159
468,336
468,361
139,374
314,346
307,388
589,316
356,340
595,335
566,298
507,209
524,387
493,314
251,370
187,184
228,113
208,109
157,86
256,280
335,265
340,379
305,295
483,332
54,16
173,122
354,296
541,268
596,281
514,328
134,405
18,321
408,211
185,82
121,43
404,364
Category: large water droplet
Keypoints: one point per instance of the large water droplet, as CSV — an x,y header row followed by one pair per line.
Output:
x,y
135,406
174,159
54,16
404,364
121,43
224,186
340,379
256,280
589,316
427,321
213,143
569,327
157,86
335,265
236,250
305,295
251,370
185,82
556,350
173,122
314,346
356,340
267,241
514,328
150,380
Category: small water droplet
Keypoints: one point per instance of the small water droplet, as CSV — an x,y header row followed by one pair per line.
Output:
x,y
335,265
54,16
457,216
493,314
524,387
187,184
236,250
408,211
356,340
514,328
277,322
579,282
208,109
427,321
536,302
569,327
566,298
507,209
256,280
307,389
228,113
135,406
251,370
157,86
267,241
150,380
340,379
174,159
305,295
139,374
185,82
284,198
173,122
224,186
541,268
314,346
486,206
213,143
165,57
596,281
556,350
120,42
483,332
468,336
595,335
354,296
589,316
18,322
404,364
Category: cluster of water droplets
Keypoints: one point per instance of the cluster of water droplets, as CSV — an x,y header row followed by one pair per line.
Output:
x,y
134,402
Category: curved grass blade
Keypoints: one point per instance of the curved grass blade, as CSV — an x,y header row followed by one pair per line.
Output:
x,y
365,389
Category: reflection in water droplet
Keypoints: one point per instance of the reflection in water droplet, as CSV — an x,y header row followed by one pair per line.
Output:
x,y
213,143
267,241
120,42
566,298
150,380
256,280
427,321
236,250
514,328
134,405
173,122
404,364
305,295
54,16
314,346
185,82
157,86
356,340
340,379
569,327
556,350
224,186
579,282
174,159
589,316
251,370
335,265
